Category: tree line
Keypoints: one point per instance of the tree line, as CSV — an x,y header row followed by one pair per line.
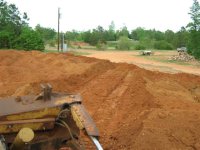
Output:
x,y
15,33
188,36
145,39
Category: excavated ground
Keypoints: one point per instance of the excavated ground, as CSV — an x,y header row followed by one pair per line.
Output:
x,y
132,107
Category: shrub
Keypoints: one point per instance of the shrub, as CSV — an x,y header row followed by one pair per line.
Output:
x,y
101,46
124,43
139,47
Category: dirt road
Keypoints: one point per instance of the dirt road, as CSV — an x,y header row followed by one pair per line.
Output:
x,y
133,57
133,108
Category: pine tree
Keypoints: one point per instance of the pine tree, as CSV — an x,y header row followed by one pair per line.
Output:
x,y
194,28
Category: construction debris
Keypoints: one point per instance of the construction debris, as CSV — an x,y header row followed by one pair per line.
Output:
x,y
182,56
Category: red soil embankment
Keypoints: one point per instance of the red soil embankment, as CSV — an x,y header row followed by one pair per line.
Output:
x,y
132,107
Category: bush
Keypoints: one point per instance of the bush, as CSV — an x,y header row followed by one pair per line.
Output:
x,y
194,51
139,47
124,43
163,45
101,46
29,40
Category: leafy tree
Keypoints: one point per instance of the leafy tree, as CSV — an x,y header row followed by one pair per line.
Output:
x,y
46,33
110,34
86,36
14,30
95,36
181,38
29,40
194,29
158,36
123,32
138,34
112,27
99,35
74,35
11,23
169,36
134,35
163,45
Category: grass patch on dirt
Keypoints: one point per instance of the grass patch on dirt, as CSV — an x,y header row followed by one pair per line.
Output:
x,y
50,51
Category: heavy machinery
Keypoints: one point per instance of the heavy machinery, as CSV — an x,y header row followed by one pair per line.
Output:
x,y
181,50
147,53
48,121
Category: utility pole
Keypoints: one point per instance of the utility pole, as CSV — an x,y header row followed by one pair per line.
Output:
x,y
62,41
58,29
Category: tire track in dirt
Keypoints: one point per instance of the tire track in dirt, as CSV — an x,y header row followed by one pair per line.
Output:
x,y
109,97
102,86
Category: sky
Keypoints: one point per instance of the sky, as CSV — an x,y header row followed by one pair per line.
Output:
x,y
82,15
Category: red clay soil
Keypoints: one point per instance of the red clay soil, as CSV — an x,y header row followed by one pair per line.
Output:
x,y
132,107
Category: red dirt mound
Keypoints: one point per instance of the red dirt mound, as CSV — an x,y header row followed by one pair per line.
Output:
x,y
132,107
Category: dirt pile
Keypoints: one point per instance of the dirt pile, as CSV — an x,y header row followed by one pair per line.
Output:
x,y
132,107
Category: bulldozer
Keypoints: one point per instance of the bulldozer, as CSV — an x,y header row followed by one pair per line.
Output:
x,y
47,121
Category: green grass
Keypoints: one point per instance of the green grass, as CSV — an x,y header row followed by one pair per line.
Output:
x,y
76,53
87,47
50,51
2,49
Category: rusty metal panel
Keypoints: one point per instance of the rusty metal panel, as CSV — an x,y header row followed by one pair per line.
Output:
x,y
85,119
34,124
10,106
43,113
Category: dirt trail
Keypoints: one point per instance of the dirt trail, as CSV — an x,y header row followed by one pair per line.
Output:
x,y
132,107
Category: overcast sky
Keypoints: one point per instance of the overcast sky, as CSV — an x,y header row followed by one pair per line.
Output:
x,y
88,14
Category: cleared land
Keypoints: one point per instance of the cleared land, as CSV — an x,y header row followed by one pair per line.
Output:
x,y
133,108
157,62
